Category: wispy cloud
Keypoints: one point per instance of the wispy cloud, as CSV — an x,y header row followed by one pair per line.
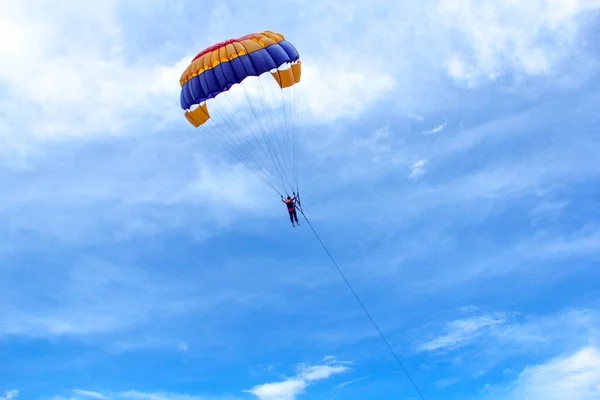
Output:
x,y
573,376
89,394
415,116
435,130
535,251
376,144
331,91
351,382
584,242
292,387
534,43
125,194
10,395
417,170
483,341
463,332
373,142
118,92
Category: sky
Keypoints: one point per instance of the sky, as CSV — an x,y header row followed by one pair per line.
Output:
x,y
449,162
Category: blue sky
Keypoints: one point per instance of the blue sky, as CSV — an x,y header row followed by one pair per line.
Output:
x,y
449,162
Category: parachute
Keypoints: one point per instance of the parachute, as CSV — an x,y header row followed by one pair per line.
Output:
x,y
242,93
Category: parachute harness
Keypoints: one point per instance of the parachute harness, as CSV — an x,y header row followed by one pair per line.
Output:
x,y
359,300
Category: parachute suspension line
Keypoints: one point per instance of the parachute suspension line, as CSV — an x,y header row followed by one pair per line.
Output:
x,y
230,147
235,135
275,171
273,139
251,131
295,104
291,137
276,125
362,305
289,134
284,141
244,153
278,167
292,132
281,139
240,152
276,139
297,153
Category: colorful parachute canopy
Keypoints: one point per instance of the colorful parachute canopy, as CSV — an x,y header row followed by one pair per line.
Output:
x,y
257,123
219,67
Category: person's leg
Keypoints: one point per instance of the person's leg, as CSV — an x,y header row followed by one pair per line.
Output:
x,y
296,217
291,217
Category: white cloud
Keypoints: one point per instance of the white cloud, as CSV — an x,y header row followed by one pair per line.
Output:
x,y
79,79
462,332
292,387
351,382
342,89
286,390
435,130
529,38
417,169
137,189
415,116
531,252
575,377
505,178
89,394
477,344
548,209
504,329
581,243
377,144
469,40
10,395
91,82
183,347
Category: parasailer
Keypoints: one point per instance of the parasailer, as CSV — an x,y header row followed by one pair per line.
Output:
x,y
242,93
291,207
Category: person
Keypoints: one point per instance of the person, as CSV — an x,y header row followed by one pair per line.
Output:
x,y
289,202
